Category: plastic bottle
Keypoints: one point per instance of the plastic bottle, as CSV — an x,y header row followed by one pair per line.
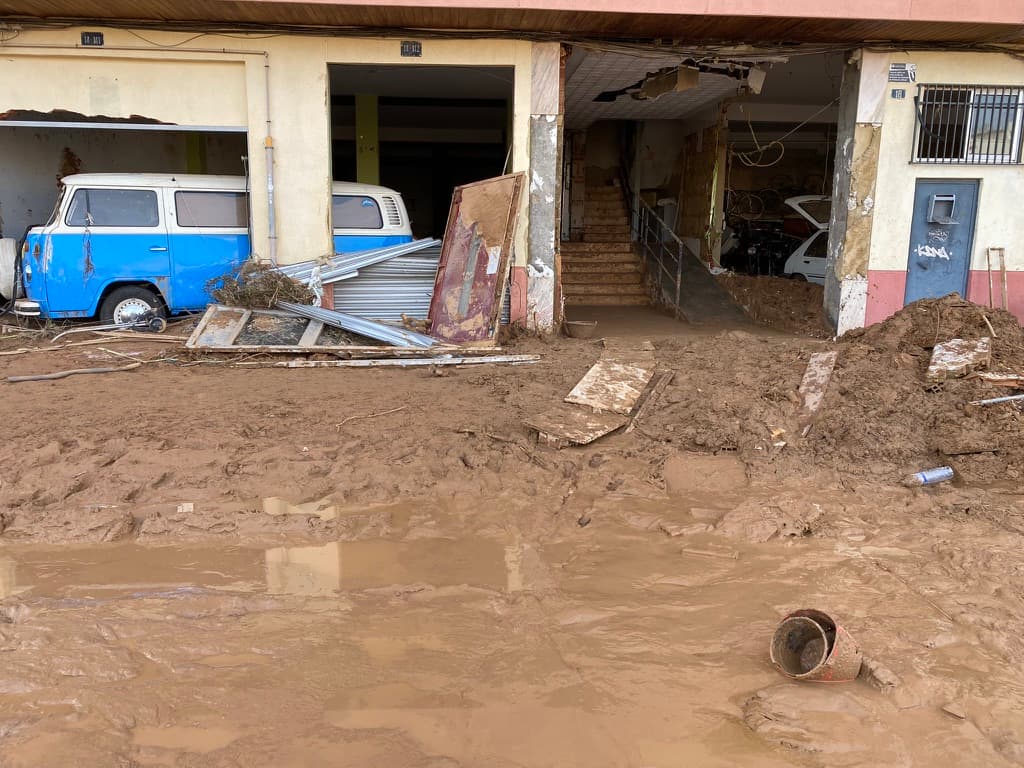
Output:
x,y
929,476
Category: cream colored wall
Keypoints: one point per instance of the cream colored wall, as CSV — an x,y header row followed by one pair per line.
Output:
x,y
999,222
226,82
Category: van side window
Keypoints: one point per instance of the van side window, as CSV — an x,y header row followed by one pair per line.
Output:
x,y
355,212
212,209
114,208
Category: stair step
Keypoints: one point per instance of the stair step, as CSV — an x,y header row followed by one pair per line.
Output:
x,y
607,229
611,237
602,278
605,289
601,266
578,248
606,301
599,260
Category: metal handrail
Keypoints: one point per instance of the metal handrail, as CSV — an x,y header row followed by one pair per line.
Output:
x,y
649,227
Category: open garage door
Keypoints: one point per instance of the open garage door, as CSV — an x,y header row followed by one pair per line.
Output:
x,y
64,114
421,130
680,165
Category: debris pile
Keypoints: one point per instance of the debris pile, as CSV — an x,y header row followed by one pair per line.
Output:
x,y
258,286
882,416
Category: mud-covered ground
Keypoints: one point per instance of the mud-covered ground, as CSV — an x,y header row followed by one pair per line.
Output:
x,y
441,590
793,306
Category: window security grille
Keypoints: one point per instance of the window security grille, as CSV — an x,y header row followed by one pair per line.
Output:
x,y
969,124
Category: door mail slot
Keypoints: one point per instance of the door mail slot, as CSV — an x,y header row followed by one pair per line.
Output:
x,y
941,209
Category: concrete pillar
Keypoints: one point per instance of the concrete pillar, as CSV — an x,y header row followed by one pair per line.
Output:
x,y
367,143
858,137
543,304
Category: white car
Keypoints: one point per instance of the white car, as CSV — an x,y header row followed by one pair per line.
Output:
x,y
807,262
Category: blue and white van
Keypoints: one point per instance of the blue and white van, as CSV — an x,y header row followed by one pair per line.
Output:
x,y
121,245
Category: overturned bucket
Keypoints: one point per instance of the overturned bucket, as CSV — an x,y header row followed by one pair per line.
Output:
x,y
810,645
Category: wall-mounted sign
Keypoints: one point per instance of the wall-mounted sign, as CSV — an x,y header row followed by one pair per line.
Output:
x,y
92,38
903,73
899,93
412,48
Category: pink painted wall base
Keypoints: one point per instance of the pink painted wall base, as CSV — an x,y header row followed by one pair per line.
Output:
x,y
886,288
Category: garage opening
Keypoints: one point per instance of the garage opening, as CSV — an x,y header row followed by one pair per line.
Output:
x,y
678,168
39,150
420,130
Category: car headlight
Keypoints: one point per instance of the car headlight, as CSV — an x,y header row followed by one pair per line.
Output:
x,y
27,271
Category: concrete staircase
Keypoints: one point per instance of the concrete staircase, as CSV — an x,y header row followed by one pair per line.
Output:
x,y
603,268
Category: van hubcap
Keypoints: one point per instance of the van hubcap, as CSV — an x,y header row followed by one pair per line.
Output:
x,y
131,311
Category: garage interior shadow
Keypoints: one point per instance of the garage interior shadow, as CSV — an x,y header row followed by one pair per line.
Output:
x,y
423,129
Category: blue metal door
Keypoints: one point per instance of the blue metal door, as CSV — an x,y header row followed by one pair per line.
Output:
x,y
941,238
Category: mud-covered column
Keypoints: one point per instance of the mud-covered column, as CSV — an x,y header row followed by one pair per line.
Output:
x,y
543,310
861,103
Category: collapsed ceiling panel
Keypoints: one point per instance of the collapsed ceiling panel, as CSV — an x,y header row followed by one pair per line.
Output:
x,y
599,72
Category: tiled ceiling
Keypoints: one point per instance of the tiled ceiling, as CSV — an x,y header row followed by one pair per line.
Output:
x,y
601,71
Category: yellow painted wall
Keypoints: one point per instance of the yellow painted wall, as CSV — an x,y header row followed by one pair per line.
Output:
x,y
999,219
183,85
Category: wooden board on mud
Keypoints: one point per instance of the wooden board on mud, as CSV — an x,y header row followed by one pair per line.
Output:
x,y
958,357
815,381
611,384
574,426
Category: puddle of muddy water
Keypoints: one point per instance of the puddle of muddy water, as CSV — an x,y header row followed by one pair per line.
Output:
x,y
612,645
139,571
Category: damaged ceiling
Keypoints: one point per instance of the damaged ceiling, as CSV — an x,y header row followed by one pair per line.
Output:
x,y
595,72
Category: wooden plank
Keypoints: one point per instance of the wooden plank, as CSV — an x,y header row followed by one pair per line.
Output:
x,y
219,327
311,334
958,357
815,381
473,270
399,362
651,400
611,385
574,426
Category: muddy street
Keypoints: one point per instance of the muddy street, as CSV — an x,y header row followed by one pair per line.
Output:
x,y
219,566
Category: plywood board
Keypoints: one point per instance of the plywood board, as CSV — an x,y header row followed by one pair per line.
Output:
x,y
475,257
815,381
612,384
958,357
574,426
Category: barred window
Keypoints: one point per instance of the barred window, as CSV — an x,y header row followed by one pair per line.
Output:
x,y
969,124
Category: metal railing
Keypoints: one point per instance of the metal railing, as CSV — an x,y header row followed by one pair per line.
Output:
x,y
663,251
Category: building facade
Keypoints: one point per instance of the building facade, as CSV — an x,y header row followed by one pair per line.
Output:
x,y
297,94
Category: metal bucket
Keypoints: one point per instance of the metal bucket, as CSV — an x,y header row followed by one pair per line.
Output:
x,y
809,645
580,329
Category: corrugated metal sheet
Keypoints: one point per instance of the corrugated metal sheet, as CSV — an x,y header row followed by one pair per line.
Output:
x,y
400,337
345,265
403,284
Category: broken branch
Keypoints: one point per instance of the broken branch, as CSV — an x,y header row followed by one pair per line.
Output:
x,y
72,372
367,416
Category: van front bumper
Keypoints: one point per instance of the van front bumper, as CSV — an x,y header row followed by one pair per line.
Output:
x,y
27,308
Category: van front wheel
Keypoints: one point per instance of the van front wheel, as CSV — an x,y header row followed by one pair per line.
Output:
x,y
128,305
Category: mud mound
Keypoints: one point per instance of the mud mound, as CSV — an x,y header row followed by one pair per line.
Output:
x,y
793,306
881,417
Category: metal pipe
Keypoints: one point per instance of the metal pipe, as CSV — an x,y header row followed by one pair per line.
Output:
x,y
269,144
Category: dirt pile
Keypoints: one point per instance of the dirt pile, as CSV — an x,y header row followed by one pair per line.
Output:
x,y
793,306
882,417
